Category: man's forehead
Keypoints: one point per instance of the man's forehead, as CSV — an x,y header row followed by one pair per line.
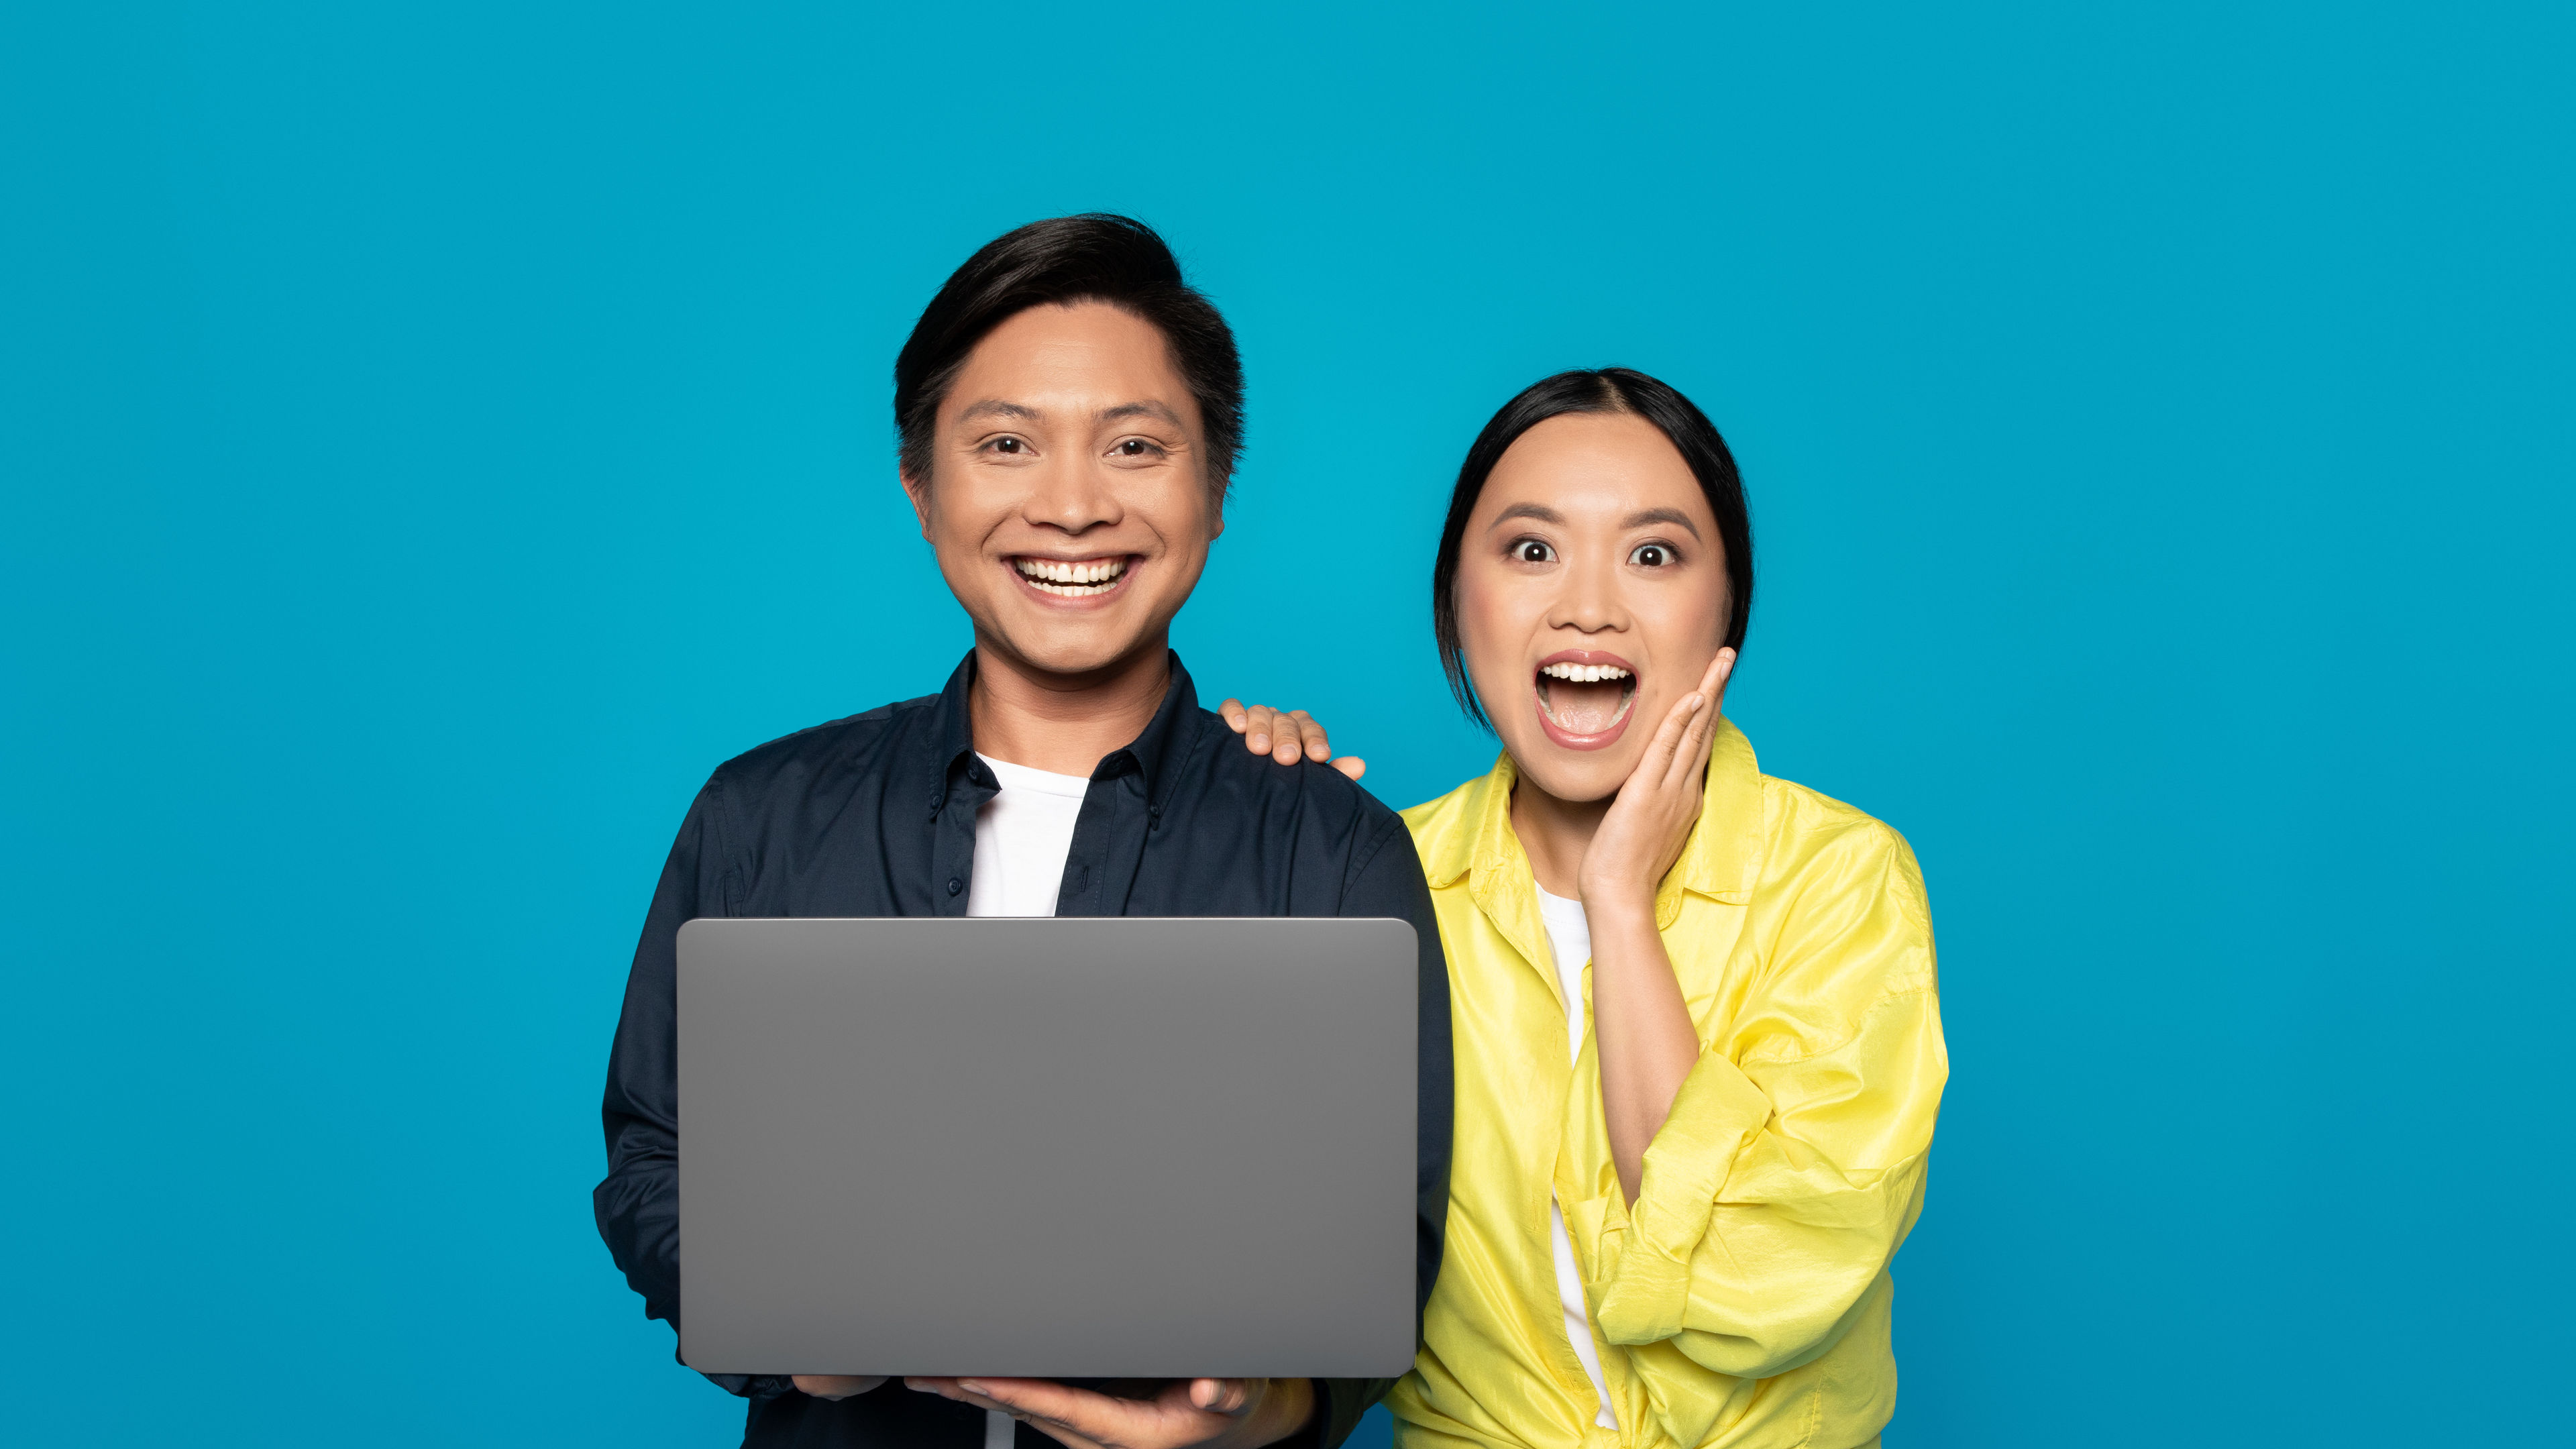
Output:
x,y
1011,410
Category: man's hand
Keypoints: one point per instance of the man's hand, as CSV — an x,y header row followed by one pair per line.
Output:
x,y
1216,1413
837,1386
1286,736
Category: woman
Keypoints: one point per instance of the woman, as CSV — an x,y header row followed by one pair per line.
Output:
x,y
1694,1007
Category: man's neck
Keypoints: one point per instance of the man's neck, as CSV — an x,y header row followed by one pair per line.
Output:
x,y
1064,723
1555,833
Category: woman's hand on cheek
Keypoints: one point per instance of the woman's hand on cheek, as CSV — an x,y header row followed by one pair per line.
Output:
x,y
1642,835
1286,736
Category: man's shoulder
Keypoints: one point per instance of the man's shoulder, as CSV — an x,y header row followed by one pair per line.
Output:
x,y
1318,794
860,743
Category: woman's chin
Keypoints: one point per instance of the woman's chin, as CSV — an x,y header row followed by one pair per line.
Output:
x,y
1576,776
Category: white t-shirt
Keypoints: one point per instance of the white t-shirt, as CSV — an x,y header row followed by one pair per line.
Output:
x,y
1569,940
1022,836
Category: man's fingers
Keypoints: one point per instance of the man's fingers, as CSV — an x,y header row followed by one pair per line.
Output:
x,y
1037,1400
1351,765
1221,1396
836,1386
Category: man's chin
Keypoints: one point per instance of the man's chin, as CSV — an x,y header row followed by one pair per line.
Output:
x,y
1086,655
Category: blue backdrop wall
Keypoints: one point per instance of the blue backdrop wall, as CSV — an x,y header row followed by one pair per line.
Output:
x,y
433,436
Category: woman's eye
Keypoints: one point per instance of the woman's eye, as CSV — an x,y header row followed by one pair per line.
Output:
x,y
1007,445
1650,556
1134,448
1530,550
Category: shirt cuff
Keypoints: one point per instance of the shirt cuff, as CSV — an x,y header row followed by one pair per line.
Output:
x,y
1645,1269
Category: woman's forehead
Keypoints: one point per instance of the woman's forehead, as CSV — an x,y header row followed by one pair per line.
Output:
x,y
1599,469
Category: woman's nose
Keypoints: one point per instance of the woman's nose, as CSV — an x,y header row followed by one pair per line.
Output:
x,y
1589,601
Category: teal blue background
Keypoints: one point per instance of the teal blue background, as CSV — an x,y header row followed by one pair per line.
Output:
x,y
433,436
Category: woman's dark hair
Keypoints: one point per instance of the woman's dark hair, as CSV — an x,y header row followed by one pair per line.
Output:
x,y
1606,390
1092,257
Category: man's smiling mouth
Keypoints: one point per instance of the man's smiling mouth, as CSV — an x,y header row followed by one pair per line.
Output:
x,y
1585,699
1071,578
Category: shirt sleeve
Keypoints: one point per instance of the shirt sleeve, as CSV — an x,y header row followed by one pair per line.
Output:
x,y
638,1203
1792,1164
1385,879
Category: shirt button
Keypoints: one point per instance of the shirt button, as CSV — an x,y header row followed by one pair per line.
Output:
x,y
955,885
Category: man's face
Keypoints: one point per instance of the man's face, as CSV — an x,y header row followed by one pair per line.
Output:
x,y
1068,498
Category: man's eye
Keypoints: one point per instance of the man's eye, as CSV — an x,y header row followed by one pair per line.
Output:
x,y
1007,445
1650,555
1134,448
1530,550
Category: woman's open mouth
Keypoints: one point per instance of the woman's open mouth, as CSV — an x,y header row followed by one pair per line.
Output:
x,y
1085,578
1585,697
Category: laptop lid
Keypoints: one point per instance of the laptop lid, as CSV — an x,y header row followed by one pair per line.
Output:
x,y
1113,1147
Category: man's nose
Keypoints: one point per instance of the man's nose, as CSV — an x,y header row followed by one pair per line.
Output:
x,y
1070,493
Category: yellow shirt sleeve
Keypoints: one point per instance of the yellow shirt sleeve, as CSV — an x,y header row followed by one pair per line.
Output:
x,y
1791,1166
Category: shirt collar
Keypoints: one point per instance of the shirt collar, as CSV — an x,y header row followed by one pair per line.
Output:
x,y
1156,754
1718,861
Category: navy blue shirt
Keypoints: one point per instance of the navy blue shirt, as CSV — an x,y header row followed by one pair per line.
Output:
x,y
874,815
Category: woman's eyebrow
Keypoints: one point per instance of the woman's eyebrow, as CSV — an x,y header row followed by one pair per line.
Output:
x,y
1660,515
1539,511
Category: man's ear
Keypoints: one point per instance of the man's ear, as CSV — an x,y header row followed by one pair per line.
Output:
x,y
918,490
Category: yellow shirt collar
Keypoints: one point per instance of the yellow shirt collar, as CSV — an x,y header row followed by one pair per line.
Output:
x,y
1718,861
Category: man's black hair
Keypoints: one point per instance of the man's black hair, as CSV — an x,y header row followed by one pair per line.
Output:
x,y
1606,390
1092,257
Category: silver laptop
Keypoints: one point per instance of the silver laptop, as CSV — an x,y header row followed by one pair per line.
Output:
x,y
1119,1148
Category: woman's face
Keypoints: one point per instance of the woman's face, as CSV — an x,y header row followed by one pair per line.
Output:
x,y
1591,597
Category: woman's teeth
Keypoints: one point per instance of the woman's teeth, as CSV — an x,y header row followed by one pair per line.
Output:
x,y
1585,699
1583,673
1077,580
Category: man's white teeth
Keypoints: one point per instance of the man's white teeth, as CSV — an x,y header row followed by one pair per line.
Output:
x,y
1076,579
1583,673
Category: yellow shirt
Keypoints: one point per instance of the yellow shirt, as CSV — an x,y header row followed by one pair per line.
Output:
x,y
1743,1299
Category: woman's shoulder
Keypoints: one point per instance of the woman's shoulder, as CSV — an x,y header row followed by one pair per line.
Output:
x,y
1439,811
1444,828
1810,837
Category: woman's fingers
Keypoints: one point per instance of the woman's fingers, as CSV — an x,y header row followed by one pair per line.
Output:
x,y
1667,742
1692,762
1257,723
1284,735
1317,746
1351,766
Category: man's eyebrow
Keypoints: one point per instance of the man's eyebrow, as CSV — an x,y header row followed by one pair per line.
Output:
x,y
993,407
1660,515
1140,410
1539,511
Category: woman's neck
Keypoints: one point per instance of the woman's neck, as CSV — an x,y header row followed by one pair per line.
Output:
x,y
1555,833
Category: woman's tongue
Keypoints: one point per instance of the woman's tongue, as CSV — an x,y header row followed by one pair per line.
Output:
x,y
1583,709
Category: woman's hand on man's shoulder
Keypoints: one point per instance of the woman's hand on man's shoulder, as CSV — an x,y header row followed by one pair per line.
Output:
x,y
1287,736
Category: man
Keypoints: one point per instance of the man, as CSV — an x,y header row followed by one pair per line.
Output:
x,y
1070,412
